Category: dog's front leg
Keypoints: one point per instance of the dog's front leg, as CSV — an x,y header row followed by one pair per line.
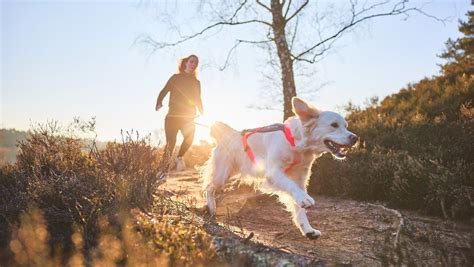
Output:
x,y
278,179
299,216
301,220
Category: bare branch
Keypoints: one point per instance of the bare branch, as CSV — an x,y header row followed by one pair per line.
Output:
x,y
234,47
231,21
398,9
294,34
442,20
366,9
159,45
238,9
298,10
264,6
313,60
287,8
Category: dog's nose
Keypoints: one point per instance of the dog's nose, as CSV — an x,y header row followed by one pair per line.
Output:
x,y
353,138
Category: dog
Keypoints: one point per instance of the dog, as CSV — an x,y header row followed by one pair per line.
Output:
x,y
278,157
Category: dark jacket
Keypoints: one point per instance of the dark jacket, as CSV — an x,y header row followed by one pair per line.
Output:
x,y
185,95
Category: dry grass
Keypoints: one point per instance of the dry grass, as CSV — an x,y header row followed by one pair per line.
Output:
x,y
91,207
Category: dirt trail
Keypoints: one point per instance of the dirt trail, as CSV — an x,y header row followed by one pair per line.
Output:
x,y
354,233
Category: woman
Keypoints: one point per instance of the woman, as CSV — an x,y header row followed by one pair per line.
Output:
x,y
185,97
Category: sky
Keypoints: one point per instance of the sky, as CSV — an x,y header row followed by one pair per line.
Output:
x,y
66,59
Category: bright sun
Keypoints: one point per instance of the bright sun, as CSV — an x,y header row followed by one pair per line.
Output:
x,y
203,124
232,113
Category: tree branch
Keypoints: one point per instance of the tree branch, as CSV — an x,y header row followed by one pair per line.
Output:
x,y
160,45
297,11
287,8
398,9
234,47
294,34
238,9
264,6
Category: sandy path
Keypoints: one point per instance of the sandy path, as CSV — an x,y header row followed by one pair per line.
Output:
x,y
353,232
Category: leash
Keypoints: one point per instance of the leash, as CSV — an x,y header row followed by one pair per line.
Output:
x,y
195,122
201,124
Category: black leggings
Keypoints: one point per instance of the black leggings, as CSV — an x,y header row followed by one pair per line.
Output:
x,y
172,126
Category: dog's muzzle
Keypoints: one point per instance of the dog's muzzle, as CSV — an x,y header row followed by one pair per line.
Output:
x,y
353,139
340,150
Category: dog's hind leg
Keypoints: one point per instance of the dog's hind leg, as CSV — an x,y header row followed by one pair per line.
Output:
x,y
215,174
211,199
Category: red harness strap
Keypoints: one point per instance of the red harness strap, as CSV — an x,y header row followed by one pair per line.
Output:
x,y
289,137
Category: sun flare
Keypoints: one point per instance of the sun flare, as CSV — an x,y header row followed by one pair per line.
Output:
x,y
203,124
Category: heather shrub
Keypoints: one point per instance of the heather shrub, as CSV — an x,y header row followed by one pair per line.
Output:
x,y
415,148
434,187
8,140
77,189
362,175
133,168
198,154
434,179
139,241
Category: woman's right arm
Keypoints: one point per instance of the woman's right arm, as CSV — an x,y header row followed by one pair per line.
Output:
x,y
163,93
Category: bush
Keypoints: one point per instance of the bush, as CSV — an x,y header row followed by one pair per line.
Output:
x,y
362,175
138,241
198,154
400,179
75,187
415,149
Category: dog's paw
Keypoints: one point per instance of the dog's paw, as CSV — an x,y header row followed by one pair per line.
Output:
x,y
305,201
313,235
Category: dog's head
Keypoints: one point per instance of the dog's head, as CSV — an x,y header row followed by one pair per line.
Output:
x,y
324,131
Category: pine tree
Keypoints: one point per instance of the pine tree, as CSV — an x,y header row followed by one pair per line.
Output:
x,y
459,53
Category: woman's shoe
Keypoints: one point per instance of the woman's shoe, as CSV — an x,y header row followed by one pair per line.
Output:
x,y
180,165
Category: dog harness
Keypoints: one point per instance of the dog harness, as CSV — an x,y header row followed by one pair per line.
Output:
x,y
271,128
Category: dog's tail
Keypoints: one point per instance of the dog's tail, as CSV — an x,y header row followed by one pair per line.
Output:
x,y
219,166
219,130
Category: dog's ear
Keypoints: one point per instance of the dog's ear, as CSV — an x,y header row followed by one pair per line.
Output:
x,y
303,109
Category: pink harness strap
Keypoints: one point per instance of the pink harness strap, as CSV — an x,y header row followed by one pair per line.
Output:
x,y
289,137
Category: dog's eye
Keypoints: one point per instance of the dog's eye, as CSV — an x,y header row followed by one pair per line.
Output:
x,y
335,125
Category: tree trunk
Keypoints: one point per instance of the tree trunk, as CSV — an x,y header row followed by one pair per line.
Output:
x,y
286,64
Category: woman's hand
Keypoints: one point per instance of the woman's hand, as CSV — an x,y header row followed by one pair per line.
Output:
x,y
158,106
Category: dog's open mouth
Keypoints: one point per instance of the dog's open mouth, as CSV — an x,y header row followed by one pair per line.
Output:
x,y
338,150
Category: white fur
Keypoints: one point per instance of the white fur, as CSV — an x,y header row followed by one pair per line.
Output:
x,y
310,127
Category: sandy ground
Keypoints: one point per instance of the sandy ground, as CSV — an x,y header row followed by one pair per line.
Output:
x,y
354,233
